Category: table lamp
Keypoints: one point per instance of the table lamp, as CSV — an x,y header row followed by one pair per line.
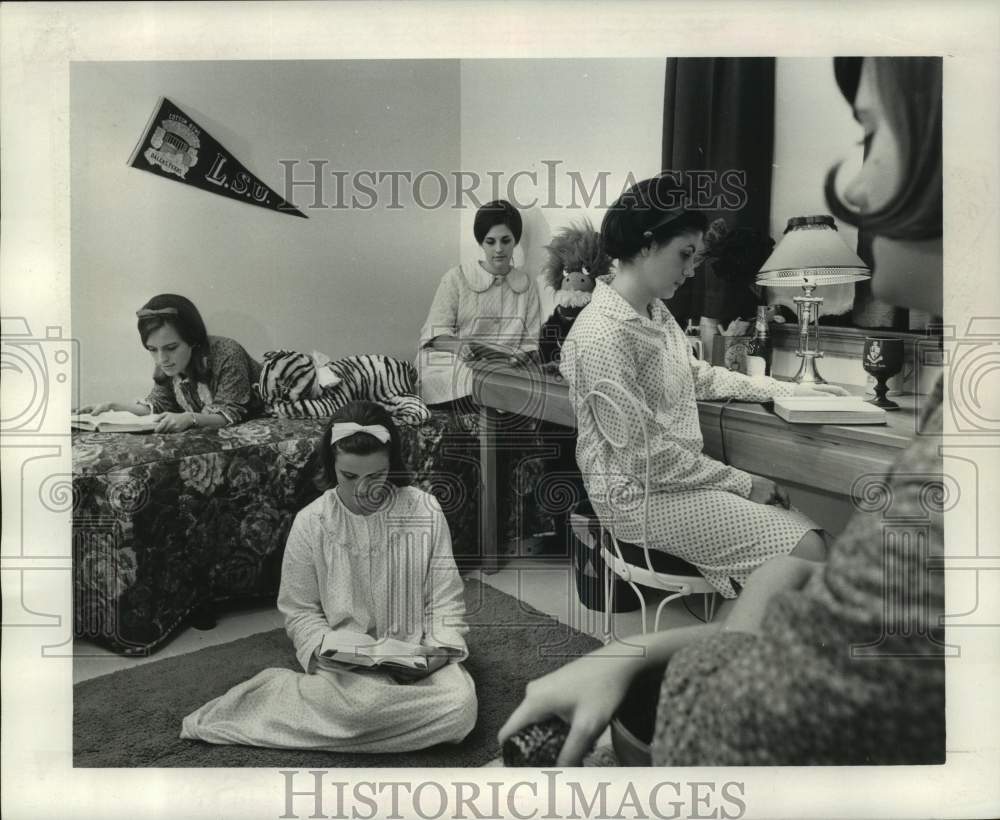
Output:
x,y
811,254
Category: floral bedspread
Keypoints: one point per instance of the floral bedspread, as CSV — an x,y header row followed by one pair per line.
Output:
x,y
163,524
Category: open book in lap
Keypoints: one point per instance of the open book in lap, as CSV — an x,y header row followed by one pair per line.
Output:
x,y
491,351
115,421
363,650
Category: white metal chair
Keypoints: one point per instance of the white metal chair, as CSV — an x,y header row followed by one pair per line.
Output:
x,y
637,564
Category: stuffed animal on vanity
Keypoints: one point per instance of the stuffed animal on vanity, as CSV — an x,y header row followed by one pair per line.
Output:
x,y
575,262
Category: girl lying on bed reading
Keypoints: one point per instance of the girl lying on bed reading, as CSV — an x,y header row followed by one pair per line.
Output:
x,y
198,380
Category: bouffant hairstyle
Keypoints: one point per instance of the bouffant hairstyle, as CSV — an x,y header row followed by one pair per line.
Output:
x,y
572,249
498,212
645,214
362,444
180,313
910,90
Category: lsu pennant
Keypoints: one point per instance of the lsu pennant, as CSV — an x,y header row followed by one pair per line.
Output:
x,y
176,147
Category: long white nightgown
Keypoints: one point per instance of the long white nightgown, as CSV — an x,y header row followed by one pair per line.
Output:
x,y
699,508
391,574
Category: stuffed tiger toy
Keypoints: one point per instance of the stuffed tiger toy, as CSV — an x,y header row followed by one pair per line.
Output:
x,y
297,386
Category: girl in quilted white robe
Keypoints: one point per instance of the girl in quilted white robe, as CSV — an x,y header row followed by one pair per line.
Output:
x,y
369,560
488,300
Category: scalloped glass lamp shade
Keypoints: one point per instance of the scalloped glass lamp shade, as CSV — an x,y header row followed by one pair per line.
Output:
x,y
811,254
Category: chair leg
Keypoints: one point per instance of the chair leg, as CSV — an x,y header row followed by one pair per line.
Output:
x,y
642,605
609,602
710,601
659,611
663,603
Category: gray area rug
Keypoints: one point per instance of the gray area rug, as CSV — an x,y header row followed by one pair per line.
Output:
x,y
132,718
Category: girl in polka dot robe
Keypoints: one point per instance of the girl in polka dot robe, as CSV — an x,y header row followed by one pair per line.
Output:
x,y
723,520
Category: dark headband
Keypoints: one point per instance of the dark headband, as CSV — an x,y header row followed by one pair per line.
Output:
x,y
666,219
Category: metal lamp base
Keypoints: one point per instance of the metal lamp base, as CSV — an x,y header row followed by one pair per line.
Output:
x,y
808,372
808,310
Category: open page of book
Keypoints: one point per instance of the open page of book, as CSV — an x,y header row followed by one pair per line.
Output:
x,y
491,350
115,421
363,650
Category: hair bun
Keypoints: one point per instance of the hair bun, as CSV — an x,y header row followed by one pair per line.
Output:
x,y
641,215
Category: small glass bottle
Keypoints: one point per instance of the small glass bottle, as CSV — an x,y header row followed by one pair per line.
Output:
x,y
693,332
759,347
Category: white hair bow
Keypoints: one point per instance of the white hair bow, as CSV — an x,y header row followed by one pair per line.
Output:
x,y
343,429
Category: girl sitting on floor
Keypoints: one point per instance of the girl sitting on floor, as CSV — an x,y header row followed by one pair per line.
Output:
x,y
369,561
198,380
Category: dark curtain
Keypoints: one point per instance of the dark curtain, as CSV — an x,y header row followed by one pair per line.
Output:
x,y
718,116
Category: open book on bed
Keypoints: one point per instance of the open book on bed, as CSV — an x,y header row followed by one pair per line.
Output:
x,y
114,421
362,650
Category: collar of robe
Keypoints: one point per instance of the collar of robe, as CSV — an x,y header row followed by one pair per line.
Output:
x,y
611,303
480,281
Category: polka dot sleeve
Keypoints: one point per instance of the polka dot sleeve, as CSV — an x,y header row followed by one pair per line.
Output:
x,y
712,382
602,357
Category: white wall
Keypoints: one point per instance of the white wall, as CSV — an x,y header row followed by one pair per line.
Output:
x,y
588,115
343,281
813,131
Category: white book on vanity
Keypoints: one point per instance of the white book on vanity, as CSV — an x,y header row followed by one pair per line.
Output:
x,y
828,410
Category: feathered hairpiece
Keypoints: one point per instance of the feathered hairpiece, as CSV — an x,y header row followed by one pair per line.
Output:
x,y
572,249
